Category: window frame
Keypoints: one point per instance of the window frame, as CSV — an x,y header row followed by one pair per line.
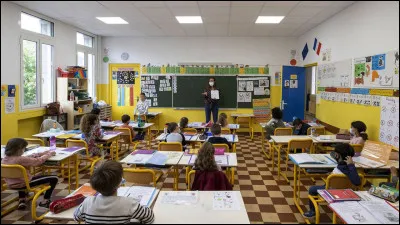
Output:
x,y
85,34
39,39
30,13
88,50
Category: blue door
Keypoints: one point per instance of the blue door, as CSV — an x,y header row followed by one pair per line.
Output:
x,y
293,92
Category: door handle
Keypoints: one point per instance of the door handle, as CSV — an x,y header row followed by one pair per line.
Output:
x,y
283,104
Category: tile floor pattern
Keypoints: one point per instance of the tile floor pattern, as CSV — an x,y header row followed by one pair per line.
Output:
x,y
267,199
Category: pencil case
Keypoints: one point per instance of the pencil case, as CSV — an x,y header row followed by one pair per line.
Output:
x,y
384,193
66,203
343,136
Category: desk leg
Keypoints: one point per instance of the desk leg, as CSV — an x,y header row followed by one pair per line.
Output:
x,y
148,137
232,176
272,152
116,149
334,218
234,147
251,128
279,163
296,191
77,171
69,175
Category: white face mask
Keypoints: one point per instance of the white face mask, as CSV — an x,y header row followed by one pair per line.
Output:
x,y
351,131
211,83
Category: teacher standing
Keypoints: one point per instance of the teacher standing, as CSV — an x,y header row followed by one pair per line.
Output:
x,y
211,99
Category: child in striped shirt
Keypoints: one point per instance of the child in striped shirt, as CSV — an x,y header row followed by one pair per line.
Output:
x,y
108,208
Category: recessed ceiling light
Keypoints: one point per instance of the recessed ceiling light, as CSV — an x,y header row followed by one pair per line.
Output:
x,y
112,20
189,19
269,19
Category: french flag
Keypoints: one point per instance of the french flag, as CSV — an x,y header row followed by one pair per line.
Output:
x,y
317,48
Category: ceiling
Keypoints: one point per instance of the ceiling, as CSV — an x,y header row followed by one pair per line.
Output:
x,y
220,18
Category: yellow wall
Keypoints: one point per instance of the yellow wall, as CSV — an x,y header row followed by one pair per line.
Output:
x,y
19,124
105,92
342,114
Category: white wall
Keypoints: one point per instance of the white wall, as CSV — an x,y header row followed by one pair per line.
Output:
x,y
363,28
164,50
64,42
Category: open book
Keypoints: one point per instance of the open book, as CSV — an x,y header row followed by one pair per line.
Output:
x,y
143,195
374,154
305,158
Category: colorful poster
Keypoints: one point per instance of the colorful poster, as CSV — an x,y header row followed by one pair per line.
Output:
x,y
10,105
11,90
278,78
389,129
261,110
125,78
3,90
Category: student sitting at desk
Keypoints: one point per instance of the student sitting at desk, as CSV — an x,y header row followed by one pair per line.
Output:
x,y
223,120
175,135
358,130
343,154
216,138
184,123
91,129
300,127
108,208
14,149
125,120
274,123
209,176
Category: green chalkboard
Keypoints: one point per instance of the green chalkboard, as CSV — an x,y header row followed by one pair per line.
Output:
x,y
189,88
158,90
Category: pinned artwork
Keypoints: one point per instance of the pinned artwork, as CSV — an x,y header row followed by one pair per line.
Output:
x,y
11,90
3,90
287,84
244,97
125,78
10,105
389,128
326,55
277,78
263,83
293,84
114,75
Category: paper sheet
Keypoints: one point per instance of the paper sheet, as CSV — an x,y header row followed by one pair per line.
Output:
x,y
263,83
10,105
188,137
242,85
214,94
367,162
221,160
173,156
249,86
244,96
225,200
180,197
158,158
259,91
305,158
140,158
352,213
381,211
143,195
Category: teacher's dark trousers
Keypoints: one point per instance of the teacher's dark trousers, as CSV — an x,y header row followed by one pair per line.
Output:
x,y
211,108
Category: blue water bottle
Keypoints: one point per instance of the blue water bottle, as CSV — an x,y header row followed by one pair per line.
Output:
x,y
52,143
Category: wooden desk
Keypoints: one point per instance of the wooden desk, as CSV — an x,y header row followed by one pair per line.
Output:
x,y
232,160
297,170
201,126
229,137
249,116
134,125
69,213
201,212
156,119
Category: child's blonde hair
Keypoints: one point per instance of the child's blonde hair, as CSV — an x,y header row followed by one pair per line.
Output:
x,y
205,160
223,120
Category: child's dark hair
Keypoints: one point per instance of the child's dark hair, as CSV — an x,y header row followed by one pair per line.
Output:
x,y
107,178
143,94
223,120
125,118
216,129
297,122
184,122
87,122
95,111
277,113
14,146
361,129
344,150
205,160
171,127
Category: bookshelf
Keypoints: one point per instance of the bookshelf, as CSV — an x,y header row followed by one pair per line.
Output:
x,y
79,86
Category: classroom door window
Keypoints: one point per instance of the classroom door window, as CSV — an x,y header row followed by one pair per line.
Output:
x,y
37,25
90,74
48,79
30,72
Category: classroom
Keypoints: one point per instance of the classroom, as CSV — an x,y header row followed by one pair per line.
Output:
x,y
223,112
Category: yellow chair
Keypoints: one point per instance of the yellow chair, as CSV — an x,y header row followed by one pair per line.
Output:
x,y
357,147
280,131
190,178
95,164
34,141
126,139
170,146
18,172
225,131
142,176
318,130
294,144
87,157
190,131
245,122
224,146
334,181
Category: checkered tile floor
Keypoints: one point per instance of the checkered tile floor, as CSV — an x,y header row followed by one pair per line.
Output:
x,y
267,199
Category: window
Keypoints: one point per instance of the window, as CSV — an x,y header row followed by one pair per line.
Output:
x,y
37,25
90,74
313,80
85,40
38,79
81,59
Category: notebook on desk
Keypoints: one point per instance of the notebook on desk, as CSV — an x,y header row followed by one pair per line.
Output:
x,y
343,195
305,158
374,154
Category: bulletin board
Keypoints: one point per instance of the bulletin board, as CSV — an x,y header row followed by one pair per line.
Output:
x,y
335,74
377,71
249,88
158,90
389,128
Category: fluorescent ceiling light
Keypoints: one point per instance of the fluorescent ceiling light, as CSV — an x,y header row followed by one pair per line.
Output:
x,y
112,20
269,19
189,19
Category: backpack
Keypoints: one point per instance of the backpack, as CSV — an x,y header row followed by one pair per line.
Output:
x,y
53,108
